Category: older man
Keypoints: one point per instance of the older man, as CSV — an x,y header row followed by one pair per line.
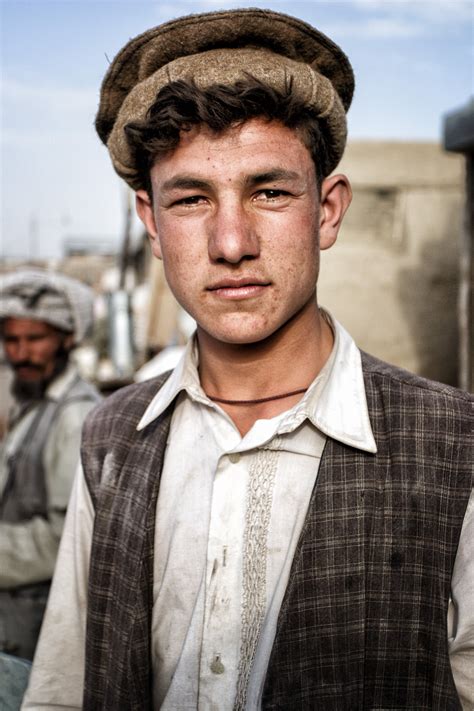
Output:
x,y
278,523
43,316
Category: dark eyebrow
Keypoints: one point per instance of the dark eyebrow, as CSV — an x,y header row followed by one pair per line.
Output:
x,y
185,182
271,176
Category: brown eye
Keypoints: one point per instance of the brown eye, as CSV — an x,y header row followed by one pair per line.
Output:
x,y
271,194
191,200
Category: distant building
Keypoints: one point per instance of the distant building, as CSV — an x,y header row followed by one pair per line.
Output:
x,y
77,246
392,278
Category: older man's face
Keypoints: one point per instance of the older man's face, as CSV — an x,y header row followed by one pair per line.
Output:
x,y
33,348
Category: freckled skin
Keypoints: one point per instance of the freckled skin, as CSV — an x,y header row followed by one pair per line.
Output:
x,y
237,220
234,225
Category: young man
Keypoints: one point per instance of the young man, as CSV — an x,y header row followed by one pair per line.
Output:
x,y
42,316
274,524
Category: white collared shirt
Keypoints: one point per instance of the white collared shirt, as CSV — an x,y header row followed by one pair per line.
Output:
x,y
235,507
229,514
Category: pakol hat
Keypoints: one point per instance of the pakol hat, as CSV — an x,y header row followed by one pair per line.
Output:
x,y
222,48
56,299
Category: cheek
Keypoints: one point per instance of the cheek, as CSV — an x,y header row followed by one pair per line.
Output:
x,y
175,242
298,257
46,353
40,356
182,274
9,350
184,255
175,263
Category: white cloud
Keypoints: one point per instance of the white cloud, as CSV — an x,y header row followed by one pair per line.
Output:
x,y
375,28
403,18
434,12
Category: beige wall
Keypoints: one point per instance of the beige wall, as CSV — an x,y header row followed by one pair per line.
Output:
x,y
392,277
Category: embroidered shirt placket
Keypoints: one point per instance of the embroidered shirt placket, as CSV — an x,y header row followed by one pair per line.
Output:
x,y
254,575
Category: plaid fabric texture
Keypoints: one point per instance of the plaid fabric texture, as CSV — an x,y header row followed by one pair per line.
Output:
x,y
365,612
363,622
122,469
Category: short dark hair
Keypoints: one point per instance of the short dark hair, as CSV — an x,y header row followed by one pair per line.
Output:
x,y
181,105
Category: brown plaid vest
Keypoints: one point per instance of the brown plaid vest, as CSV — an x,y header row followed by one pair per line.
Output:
x,y
363,621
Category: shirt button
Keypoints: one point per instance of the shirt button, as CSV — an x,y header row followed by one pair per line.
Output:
x,y
216,666
234,457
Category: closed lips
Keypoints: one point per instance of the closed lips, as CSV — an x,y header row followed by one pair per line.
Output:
x,y
237,284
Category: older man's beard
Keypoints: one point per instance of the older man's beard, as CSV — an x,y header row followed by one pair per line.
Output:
x,y
25,391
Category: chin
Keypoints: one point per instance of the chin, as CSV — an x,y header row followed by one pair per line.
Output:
x,y
29,389
240,336
242,340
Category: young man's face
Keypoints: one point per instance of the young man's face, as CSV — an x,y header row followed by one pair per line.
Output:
x,y
237,221
32,348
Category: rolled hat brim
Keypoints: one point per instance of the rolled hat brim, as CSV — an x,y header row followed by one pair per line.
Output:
x,y
188,36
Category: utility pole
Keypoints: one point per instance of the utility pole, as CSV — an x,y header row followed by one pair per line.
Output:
x,y
459,138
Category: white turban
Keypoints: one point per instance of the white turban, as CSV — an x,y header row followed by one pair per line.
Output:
x,y
40,295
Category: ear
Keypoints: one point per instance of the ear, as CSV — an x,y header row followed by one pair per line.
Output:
x,y
336,196
144,208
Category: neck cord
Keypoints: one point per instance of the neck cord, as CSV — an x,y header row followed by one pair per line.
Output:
x,y
255,402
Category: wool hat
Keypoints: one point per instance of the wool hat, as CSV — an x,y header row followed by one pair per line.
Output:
x,y
40,295
223,47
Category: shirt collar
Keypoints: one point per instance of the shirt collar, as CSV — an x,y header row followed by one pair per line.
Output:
x,y
184,377
335,402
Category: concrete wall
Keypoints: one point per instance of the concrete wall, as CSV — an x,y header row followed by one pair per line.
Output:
x,y
392,277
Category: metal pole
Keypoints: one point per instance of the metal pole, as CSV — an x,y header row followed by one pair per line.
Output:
x,y
466,291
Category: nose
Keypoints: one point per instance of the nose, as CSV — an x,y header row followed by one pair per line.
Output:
x,y
231,235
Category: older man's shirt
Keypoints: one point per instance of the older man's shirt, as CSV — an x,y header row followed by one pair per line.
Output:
x,y
28,549
229,514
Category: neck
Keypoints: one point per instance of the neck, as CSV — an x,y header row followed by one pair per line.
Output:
x,y
287,361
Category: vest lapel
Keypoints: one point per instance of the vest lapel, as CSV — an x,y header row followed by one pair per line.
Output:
x,y
321,626
125,513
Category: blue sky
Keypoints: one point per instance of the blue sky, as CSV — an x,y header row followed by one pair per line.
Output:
x,y
413,61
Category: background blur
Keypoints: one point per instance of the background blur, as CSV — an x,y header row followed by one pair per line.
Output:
x,y
393,278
